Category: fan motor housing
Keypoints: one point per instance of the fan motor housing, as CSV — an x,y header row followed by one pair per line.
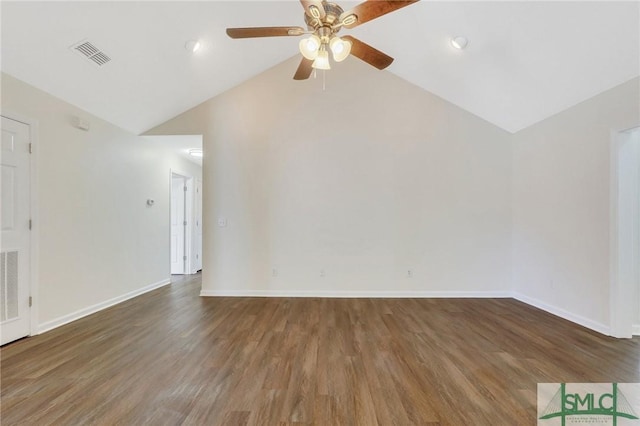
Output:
x,y
332,13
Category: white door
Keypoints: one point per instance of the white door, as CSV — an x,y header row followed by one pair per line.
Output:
x,y
178,194
198,226
15,316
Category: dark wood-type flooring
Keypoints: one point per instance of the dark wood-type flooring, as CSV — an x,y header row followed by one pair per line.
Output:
x,y
171,357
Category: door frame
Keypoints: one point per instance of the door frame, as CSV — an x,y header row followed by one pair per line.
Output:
x,y
35,222
623,303
188,215
197,217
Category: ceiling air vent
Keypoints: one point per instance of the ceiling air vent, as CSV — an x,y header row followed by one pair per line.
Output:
x,y
89,51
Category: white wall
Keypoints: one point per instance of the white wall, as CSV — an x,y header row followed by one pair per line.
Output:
x,y
365,181
561,202
98,240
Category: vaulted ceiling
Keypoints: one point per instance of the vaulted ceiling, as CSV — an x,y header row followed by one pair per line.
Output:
x,y
525,61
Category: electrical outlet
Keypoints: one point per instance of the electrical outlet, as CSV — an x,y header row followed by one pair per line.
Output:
x,y
409,273
322,274
222,222
274,272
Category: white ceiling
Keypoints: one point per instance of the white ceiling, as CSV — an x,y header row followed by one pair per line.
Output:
x,y
525,60
180,144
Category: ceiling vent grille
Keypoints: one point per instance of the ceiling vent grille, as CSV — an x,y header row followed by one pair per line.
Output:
x,y
91,52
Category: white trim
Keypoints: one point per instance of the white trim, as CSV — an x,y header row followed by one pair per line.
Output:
x,y
357,294
624,277
613,233
577,319
197,218
65,319
559,312
33,194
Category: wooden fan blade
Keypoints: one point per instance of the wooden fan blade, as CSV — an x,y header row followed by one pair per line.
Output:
x,y
368,54
318,4
373,9
304,69
264,32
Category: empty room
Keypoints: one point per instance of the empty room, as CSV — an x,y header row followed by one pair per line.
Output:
x,y
320,213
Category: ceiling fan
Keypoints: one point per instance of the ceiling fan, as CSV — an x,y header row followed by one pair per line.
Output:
x,y
324,20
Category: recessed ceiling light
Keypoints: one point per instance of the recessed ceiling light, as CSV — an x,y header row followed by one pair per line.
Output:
x,y
193,45
195,153
459,42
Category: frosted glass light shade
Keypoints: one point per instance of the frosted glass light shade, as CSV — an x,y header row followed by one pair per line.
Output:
x,y
340,48
322,61
309,47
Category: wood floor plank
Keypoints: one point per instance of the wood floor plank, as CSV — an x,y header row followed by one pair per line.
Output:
x,y
171,357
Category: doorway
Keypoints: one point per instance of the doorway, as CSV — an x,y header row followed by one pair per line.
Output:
x,y
197,241
186,224
15,217
179,246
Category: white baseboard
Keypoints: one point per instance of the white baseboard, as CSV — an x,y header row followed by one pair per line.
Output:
x,y
580,320
569,316
357,294
585,322
636,330
65,319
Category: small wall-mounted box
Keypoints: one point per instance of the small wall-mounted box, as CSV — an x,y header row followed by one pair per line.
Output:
x,y
80,123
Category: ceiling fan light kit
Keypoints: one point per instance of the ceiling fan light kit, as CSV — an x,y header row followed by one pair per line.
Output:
x,y
340,48
309,47
322,61
324,20
314,49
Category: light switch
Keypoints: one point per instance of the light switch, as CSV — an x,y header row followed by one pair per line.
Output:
x,y
222,222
